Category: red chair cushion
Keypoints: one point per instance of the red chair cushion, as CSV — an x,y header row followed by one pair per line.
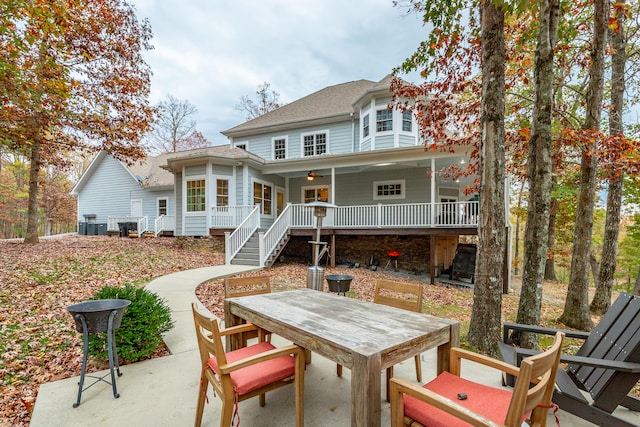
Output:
x,y
490,402
255,376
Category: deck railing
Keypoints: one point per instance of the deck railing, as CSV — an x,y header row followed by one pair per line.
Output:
x,y
164,223
141,221
414,215
229,216
234,241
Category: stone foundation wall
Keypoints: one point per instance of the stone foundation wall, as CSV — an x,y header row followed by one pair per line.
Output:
x,y
414,250
213,244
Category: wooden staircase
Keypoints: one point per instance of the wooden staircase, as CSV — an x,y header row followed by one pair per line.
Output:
x,y
249,254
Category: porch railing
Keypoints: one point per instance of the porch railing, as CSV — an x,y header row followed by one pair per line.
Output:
x,y
415,215
141,221
234,241
229,216
164,223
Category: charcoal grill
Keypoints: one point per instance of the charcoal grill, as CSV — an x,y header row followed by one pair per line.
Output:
x,y
96,316
393,257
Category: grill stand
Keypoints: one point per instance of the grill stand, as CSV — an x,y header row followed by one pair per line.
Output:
x,y
113,357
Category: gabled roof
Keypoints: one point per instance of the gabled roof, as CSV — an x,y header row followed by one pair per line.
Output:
x,y
326,103
146,172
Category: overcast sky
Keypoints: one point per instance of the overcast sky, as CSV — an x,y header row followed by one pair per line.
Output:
x,y
212,52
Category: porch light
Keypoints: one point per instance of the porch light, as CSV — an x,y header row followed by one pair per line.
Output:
x,y
462,161
310,176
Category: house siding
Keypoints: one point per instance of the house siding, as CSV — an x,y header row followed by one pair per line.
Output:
x,y
179,203
109,192
357,189
195,225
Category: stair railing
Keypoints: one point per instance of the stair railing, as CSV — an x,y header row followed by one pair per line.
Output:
x,y
236,240
275,234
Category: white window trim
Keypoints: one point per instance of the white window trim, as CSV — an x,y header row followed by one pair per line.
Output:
x,y
207,184
302,135
273,194
273,146
384,132
413,124
312,187
403,189
214,189
166,199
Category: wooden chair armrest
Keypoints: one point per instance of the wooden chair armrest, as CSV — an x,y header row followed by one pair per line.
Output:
x,y
510,326
630,367
238,329
261,357
459,353
398,385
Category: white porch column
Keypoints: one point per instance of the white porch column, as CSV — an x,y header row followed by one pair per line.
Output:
x,y
433,191
332,194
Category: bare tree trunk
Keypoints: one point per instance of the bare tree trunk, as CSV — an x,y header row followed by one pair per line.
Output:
x,y
636,287
602,298
32,216
484,330
576,309
517,243
539,174
595,268
550,265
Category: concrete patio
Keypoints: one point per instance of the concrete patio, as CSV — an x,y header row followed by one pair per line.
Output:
x,y
163,391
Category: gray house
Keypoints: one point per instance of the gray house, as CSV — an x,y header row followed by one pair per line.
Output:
x,y
342,144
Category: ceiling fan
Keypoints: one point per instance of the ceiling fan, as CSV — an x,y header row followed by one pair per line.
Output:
x,y
311,175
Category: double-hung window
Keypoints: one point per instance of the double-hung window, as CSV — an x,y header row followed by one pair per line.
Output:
x,y
222,192
406,121
196,195
163,204
263,196
314,144
365,126
280,148
384,120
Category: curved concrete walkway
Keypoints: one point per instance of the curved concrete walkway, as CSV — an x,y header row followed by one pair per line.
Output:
x,y
158,392
162,391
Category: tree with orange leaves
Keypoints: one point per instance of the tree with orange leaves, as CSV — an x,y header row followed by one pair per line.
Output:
x,y
72,78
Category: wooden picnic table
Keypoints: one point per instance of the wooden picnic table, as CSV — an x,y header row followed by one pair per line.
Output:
x,y
360,335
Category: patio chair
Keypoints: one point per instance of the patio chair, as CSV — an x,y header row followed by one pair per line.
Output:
x,y
246,286
244,373
449,400
606,365
406,296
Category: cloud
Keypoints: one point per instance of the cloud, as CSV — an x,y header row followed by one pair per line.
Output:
x,y
211,53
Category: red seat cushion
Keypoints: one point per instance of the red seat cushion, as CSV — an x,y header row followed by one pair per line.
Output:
x,y
255,376
490,402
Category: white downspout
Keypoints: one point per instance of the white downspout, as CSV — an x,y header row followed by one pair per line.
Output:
x,y
433,191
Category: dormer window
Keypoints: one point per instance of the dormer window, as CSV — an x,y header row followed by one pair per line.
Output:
x,y
384,120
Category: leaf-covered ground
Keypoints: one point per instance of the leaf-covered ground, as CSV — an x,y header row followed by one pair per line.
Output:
x,y
38,340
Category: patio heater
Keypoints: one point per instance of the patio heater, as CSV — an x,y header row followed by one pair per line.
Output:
x,y
315,273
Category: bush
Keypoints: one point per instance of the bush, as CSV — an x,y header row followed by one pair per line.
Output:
x,y
144,322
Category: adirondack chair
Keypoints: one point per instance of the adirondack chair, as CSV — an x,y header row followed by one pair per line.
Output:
x,y
606,366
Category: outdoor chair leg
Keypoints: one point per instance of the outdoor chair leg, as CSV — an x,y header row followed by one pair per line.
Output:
x,y
202,389
263,400
418,368
339,370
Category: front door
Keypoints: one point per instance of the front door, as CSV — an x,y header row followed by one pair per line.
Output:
x,y
279,201
136,208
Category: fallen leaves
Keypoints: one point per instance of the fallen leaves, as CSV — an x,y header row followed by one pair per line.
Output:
x,y
38,340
